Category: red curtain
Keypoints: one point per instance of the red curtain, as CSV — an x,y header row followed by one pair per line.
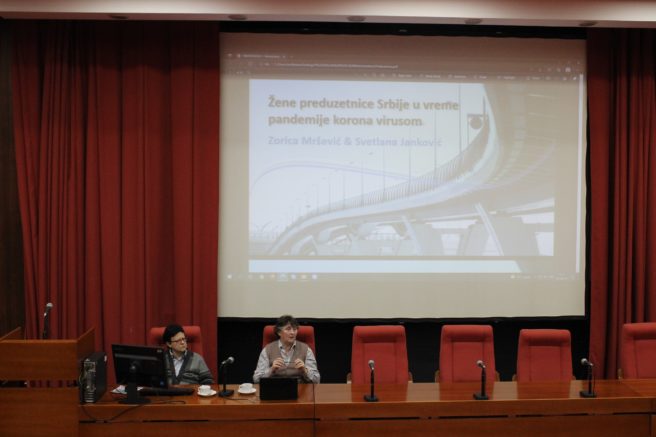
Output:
x,y
117,143
622,116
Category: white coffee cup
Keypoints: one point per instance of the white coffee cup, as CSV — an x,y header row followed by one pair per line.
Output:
x,y
247,386
204,390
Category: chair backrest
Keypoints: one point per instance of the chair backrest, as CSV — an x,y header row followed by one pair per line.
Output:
x,y
385,345
461,347
305,334
638,350
544,355
192,332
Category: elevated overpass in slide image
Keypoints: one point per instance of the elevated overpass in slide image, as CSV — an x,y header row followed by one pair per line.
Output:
x,y
471,205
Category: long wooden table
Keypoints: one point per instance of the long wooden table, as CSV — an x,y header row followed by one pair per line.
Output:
x,y
234,415
536,409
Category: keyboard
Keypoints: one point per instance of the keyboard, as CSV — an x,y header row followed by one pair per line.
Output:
x,y
171,391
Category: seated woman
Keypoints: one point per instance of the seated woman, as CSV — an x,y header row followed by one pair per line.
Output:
x,y
183,366
287,356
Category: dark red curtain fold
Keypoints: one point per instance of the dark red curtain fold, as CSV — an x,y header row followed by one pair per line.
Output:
x,y
117,144
622,116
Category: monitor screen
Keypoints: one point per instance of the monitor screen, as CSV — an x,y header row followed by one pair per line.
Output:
x,y
145,364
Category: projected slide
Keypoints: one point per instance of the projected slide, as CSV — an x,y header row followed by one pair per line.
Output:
x,y
449,171
388,170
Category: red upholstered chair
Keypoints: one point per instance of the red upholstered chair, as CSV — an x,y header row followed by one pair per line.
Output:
x,y
387,347
544,355
305,334
192,332
460,348
638,350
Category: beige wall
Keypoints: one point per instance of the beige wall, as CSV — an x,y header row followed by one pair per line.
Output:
x,y
607,13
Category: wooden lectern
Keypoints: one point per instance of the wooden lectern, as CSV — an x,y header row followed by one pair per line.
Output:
x,y
41,410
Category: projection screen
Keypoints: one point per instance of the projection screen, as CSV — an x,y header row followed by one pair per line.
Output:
x,y
371,176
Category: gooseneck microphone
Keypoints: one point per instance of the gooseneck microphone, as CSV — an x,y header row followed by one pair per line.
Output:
x,y
224,366
371,397
482,396
46,322
590,392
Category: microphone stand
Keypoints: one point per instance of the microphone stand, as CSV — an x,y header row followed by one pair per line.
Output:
x,y
589,393
225,392
482,396
371,397
46,324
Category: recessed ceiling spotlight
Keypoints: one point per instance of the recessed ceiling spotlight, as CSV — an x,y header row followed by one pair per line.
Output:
x,y
588,23
356,18
238,17
118,17
473,21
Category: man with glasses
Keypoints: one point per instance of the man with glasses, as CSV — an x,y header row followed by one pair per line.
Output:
x,y
182,365
287,356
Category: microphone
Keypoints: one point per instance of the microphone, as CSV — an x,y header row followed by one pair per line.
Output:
x,y
224,365
46,322
228,360
371,397
589,393
482,395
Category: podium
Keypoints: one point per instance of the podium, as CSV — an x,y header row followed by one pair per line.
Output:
x,y
39,410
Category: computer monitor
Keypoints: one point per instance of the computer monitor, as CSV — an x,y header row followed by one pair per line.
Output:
x,y
137,365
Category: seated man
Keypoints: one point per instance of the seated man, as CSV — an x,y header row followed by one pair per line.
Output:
x,y
183,366
287,356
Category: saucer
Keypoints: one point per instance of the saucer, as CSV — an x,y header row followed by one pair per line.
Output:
x,y
247,392
207,395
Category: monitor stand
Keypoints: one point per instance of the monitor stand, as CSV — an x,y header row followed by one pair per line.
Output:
x,y
131,389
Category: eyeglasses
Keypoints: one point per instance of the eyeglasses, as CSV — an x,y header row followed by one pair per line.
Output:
x,y
179,340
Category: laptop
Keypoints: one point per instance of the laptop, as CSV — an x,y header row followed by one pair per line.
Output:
x,y
278,388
